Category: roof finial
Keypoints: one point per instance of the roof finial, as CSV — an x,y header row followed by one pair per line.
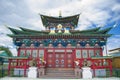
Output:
x,y
60,14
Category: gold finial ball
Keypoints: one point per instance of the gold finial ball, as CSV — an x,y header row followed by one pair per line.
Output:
x,y
59,26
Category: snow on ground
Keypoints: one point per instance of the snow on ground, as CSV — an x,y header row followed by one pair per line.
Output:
x,y
23,78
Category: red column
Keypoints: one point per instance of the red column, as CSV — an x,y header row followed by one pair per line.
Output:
x,y
81,53
74,57
65,58
93,68
101,53
94,52
88,55
38,57
25,67
9,66
110,67
18,52
45,56
53,57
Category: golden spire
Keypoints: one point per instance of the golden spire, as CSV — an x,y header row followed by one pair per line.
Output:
x,y
60,14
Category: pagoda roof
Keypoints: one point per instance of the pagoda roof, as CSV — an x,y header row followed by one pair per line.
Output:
x,y
104,31
3,54
116,49
58,35
28,32
50,19
33,31
86,31
93,31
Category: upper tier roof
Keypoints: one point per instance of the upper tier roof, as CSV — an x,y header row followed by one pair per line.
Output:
x,y
70,19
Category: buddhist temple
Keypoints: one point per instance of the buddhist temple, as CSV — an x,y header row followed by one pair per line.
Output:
x,y
60,45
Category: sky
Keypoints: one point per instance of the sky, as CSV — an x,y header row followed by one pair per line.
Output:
x,y
93,13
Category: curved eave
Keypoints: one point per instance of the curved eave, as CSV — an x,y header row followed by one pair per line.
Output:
x,y
86,31
15,31
33,31
72,19
93,31
104,31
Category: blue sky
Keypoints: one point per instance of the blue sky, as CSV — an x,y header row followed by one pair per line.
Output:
x,y
94,13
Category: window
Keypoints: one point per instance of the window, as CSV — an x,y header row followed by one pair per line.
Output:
x,y
28,53
84,53
78,53
41,53
34,54
22,52
97,53
91,53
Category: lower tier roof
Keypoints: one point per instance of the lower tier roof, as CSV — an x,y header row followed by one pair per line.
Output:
x,y
59,35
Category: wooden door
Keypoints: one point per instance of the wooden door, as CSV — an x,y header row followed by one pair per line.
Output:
x,y
59,60
50,59
69,60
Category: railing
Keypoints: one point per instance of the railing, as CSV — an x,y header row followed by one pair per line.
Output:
x,y
20,73
116,72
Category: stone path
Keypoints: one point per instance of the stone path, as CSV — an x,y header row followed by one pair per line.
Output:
x,y
25,78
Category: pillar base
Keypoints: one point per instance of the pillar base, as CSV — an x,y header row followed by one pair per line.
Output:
x,y
32,73
86,73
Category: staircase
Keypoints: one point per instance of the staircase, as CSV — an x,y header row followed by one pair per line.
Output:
x,y
59,73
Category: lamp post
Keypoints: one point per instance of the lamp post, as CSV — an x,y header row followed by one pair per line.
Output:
x,y
1,63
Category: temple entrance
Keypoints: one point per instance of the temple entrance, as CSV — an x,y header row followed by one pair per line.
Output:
x,y
60,60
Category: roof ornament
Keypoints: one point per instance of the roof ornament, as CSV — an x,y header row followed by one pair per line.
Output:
x,y
59,27
60,14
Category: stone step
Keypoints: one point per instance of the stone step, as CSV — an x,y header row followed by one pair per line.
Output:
x,y
58,77
62,73
59,68
59,71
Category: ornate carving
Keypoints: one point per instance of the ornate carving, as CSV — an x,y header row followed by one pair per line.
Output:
x,y
33,62
87,63
77,63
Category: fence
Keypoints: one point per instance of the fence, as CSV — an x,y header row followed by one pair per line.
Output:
x,y
20,73
116,72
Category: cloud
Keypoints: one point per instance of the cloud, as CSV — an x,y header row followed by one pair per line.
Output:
x,y
113,42
116,10
97,12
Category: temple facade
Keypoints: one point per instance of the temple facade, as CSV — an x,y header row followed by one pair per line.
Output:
x,y
60,45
